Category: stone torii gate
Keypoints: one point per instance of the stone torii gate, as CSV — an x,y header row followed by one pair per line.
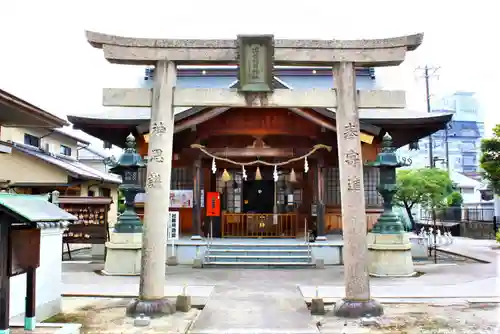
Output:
x,y
256,56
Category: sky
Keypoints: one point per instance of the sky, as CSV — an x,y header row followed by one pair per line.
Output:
x,y
46,60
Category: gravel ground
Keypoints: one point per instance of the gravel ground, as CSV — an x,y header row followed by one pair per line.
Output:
x,y
106,315
471,318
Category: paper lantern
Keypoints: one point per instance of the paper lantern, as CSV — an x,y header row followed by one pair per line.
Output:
x,y
258,175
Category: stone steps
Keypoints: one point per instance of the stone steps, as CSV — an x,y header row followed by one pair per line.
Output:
x,y
255,255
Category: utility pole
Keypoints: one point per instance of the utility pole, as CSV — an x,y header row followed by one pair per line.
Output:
x,y
446,147
428,72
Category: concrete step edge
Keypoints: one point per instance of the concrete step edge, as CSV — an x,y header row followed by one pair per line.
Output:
x,y
259,256
244,263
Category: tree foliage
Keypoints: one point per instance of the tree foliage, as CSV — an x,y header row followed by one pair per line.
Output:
x,y
490,159
455,199
428,187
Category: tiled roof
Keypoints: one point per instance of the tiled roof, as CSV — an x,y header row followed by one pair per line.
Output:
x,y
92,153
66,132
464,181
69,164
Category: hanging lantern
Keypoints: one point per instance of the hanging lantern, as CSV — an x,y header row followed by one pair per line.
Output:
x,y
226,176
258,175
293,177
275,174
306,165
214,167
244,173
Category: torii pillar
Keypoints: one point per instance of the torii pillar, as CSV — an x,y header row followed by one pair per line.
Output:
x,y
357,301
344,55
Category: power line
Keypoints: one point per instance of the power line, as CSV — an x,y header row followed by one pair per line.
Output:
x,y
428,72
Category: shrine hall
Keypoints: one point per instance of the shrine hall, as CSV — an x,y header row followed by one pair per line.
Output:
x,y
276,169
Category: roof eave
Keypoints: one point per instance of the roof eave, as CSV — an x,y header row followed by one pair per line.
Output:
x,y
52,121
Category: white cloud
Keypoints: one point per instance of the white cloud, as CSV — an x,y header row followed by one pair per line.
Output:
x,y
46,60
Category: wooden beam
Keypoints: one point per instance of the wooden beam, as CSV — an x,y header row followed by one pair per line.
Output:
x,y
202,117
280,98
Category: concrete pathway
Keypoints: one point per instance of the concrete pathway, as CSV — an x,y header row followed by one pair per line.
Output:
x,y
236,310
483,250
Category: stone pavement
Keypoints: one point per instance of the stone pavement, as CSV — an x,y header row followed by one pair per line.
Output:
x,y
253,309
476,279
270,298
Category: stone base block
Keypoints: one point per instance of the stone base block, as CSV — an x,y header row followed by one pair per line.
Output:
x,y
150,308
389,255
123,259
419,249
172,261
197,263
126,238
183,303
319,263
317,306
358,308
97,252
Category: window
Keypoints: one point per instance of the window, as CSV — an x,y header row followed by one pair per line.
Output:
x,y
231,192
181,178
469,191
106,192
468,146
469,160
65,150
31,140
370,178
332,187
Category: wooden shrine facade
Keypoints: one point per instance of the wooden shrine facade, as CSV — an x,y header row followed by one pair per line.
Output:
x,y
271,135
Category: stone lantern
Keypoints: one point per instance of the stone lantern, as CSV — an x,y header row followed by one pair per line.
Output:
x,y
389,246
123,255
387,161
128,167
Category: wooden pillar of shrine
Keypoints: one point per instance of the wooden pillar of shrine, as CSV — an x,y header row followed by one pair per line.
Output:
x,y
197,185
320,200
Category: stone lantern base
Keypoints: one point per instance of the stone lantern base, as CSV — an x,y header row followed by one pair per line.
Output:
x,y
123,255
389,255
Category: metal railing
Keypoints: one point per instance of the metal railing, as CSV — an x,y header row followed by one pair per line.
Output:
x,y
257,225
476,223
307,236
435,238
333,220
209,241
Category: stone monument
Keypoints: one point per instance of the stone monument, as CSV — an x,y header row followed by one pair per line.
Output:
x,y
389,246
123,256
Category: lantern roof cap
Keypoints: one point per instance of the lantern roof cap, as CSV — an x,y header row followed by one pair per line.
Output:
x,y
130,157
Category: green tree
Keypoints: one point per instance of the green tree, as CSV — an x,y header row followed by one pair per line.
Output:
x,y
428,187
455,199
490,159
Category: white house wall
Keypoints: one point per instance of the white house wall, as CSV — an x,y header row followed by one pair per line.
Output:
x,y
55,139
48,280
